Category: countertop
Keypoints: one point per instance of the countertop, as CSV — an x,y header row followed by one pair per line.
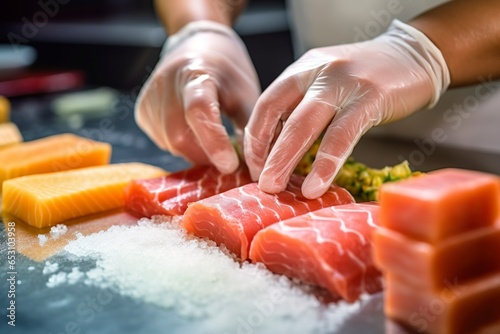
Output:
x,y
40,309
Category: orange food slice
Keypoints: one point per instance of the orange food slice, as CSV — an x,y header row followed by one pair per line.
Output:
x,y
9,134
4,110
52,154
48,199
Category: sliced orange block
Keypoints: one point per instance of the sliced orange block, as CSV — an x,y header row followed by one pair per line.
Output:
x,y
52,154
9,134
4,110
440,204
456,309
48,199
464,257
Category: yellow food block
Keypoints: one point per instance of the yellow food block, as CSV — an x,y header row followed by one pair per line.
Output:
x,y
4,110
48,199
52,154
9,134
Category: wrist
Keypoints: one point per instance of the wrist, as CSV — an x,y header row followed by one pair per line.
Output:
x,y
426,54
196,27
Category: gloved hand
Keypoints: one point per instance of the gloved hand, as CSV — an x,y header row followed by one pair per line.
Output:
x,y
342,91
205,70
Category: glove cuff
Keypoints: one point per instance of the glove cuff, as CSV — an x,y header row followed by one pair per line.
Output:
x,y
195,27
426,54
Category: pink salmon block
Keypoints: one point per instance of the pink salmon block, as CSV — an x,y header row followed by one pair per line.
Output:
x,y
458,308
440,204
464,257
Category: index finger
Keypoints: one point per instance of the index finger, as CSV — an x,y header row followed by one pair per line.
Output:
x,y
272,109
202,113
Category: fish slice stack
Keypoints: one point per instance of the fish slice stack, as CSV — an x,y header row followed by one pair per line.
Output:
x,y
439,250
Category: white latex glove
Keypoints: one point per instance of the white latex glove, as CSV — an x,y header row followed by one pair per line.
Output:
x,y
342,90
205,70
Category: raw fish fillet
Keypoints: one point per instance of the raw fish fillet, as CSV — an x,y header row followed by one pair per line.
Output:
x,y
331,248
171,194
47,199
440,204
234,217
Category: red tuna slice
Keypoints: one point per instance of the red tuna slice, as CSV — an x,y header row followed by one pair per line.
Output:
x,y
171,194
233,218
330,248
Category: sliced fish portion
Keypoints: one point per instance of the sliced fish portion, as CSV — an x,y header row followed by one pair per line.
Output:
x,y
330,248
234,217
170,195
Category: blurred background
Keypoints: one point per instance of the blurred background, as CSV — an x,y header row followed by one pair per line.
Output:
x,y
78,65
117,42
107,49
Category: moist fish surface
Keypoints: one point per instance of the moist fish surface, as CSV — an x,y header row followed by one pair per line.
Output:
x,y
330,248
234,217
170,194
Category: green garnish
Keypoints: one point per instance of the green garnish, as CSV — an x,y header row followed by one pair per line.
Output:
x,y
360,180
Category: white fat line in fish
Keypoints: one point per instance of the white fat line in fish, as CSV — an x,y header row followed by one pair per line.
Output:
x,y
220,180
369,214
337,197
295,198
291,230
292,209
282,258
342,226
329,269
363,267
240,205
181,184
243,193
208,231
160,189
259,202
199,187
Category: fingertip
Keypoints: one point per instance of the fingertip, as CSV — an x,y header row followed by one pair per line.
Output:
x,y
254,174
252,159
225,162
314,186
271,184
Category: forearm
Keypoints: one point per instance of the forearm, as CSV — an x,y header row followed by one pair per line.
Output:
x,y
177,13
468,34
